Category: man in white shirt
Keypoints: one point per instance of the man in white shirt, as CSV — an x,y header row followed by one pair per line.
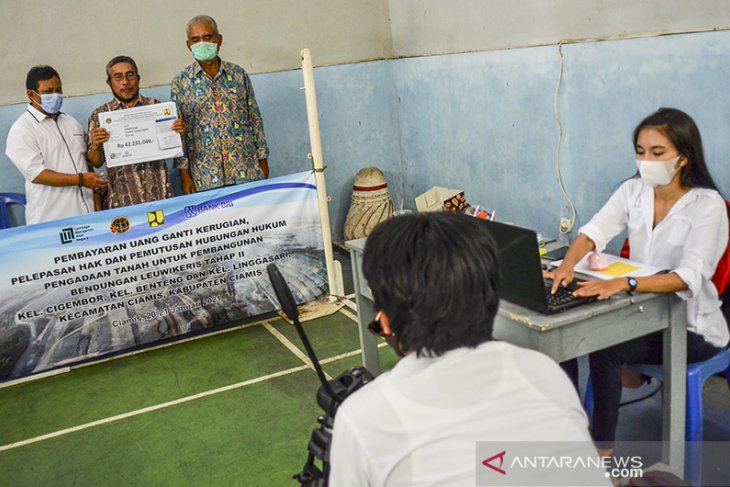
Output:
x,y
48,148
435,282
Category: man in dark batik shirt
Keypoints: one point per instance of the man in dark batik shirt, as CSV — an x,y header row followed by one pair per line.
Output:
x,y
132,183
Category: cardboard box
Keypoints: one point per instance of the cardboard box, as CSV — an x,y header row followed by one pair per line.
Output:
x,y
434,198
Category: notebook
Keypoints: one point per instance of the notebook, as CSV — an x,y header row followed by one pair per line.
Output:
x,y
522,281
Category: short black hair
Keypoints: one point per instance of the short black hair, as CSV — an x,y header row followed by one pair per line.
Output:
x,y
116,60
437,277
38,74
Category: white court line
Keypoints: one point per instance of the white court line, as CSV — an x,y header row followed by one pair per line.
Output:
x,y
347,301
200,395
341,356
292,348
348,354
150,409
348,314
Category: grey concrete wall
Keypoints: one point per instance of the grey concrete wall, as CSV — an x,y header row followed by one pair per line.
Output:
x,y
78,37
425,27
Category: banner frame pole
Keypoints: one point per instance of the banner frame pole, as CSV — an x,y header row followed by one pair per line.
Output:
x,y
334,271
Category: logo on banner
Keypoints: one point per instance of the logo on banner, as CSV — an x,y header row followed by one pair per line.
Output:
x,y
156,218
496,468
67,235
75,234
195,210
119,225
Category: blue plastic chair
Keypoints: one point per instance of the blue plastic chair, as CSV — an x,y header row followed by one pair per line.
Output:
x,y
5,200
697,374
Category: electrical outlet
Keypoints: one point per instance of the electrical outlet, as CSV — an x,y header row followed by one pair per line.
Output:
x,y
566,225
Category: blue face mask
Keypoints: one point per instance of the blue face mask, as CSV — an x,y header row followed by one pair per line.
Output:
x,y
51,102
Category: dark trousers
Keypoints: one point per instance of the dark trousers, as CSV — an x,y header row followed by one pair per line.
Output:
x,y
606,375
570,367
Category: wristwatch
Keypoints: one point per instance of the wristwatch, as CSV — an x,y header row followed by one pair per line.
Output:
x,y
632,285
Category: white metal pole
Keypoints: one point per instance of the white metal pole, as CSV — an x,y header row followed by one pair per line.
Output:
x,y
318,164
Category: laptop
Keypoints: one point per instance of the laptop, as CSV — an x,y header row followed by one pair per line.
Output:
x,y
522,281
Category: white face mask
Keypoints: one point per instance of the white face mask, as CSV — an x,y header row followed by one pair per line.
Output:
x,y
657,173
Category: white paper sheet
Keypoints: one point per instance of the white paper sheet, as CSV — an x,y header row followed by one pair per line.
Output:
x,y
141,134
618,267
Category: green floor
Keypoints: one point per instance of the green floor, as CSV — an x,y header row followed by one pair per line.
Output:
x,y
252,435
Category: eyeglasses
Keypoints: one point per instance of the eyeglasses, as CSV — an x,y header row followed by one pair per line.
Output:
x,y
130,76
375,328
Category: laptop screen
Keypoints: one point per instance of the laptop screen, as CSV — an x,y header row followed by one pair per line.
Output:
x,y
519,255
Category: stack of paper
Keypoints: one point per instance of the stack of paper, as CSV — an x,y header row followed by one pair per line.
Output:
x,y
617,267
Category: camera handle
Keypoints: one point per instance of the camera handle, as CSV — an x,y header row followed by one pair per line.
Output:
x,y
289,307
345,384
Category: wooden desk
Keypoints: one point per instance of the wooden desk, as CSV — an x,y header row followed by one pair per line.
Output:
x,y
577,332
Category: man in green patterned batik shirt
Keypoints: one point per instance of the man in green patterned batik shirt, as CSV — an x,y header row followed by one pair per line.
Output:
x,y
224,139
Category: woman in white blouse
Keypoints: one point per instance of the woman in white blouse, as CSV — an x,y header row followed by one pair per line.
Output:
x,y
676,220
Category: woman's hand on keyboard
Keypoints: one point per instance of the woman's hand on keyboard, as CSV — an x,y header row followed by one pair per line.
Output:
x,y
562,276
601,289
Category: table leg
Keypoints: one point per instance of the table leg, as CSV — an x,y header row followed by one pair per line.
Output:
x,y
365,314
675,386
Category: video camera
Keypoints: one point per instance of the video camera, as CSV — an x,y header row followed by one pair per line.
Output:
x,y
329,395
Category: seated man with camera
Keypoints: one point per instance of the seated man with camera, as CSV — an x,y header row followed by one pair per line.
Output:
x,y
435,279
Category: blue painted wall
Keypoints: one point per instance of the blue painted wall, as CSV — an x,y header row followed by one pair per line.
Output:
x,y
79,107
609,90
484,122
481,122
358,123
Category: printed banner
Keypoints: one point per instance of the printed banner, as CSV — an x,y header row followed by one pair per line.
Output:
x,y
86,286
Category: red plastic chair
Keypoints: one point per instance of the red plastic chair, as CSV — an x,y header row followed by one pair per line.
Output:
x,y
721,279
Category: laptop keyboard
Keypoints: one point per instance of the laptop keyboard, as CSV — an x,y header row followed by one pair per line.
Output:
x,y
561,296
